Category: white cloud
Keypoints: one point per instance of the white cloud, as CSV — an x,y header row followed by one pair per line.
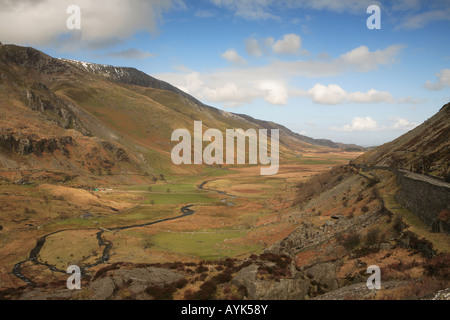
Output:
x,y
253,48
44,22
368,124
371,96
410,100
402,124
443,81
405,5
232,56
229,94
324,56
364,60
334,94
251,81
249,9
331,94
350,6
204,14
361,124
264,9
274,92
268,42
420,20
290,44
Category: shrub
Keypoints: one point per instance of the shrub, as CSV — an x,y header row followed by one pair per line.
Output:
x,y
161,292
372,237
223,277
166,291
180,284
219,268
201,268
439,266
206,292
351,241
399,225
29,211
364,209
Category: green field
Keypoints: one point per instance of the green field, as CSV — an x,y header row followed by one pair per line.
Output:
x,y
176,198
211,245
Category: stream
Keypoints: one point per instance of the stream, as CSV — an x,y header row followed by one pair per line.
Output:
x,y
34,253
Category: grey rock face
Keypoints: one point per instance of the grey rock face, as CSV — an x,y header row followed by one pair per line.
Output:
x,y
324,274
295,288
103,289
13,142
137,281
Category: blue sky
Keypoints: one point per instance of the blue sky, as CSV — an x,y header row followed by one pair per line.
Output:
x,y
313,66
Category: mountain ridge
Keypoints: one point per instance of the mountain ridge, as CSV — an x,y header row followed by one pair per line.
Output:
x,y
133,76
121,111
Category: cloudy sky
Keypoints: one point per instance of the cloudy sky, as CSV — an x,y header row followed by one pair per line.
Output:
x,y
313,66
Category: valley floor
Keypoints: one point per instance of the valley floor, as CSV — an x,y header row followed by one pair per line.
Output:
x,y
230,218
235,213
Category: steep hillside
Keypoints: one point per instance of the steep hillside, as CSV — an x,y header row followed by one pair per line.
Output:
x,y
87,118
425,149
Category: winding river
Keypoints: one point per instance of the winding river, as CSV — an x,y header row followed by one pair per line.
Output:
x,y
34,253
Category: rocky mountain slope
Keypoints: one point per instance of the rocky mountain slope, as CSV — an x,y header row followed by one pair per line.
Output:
x,y
75,116
425,149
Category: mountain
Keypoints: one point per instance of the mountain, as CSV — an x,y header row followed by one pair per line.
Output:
x,y
81,117
425,149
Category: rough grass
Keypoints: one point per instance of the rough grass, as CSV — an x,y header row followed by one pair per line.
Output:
x,y
204,245
440,241
174,198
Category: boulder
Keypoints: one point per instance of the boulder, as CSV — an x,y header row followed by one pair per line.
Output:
x,y
102,289
295,288
324,274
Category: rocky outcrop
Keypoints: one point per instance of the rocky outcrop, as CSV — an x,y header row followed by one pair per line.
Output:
x,y
295,288
309,236
31,144
442,295
301,285
359,291
118,152
135,281
41,98
323,275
